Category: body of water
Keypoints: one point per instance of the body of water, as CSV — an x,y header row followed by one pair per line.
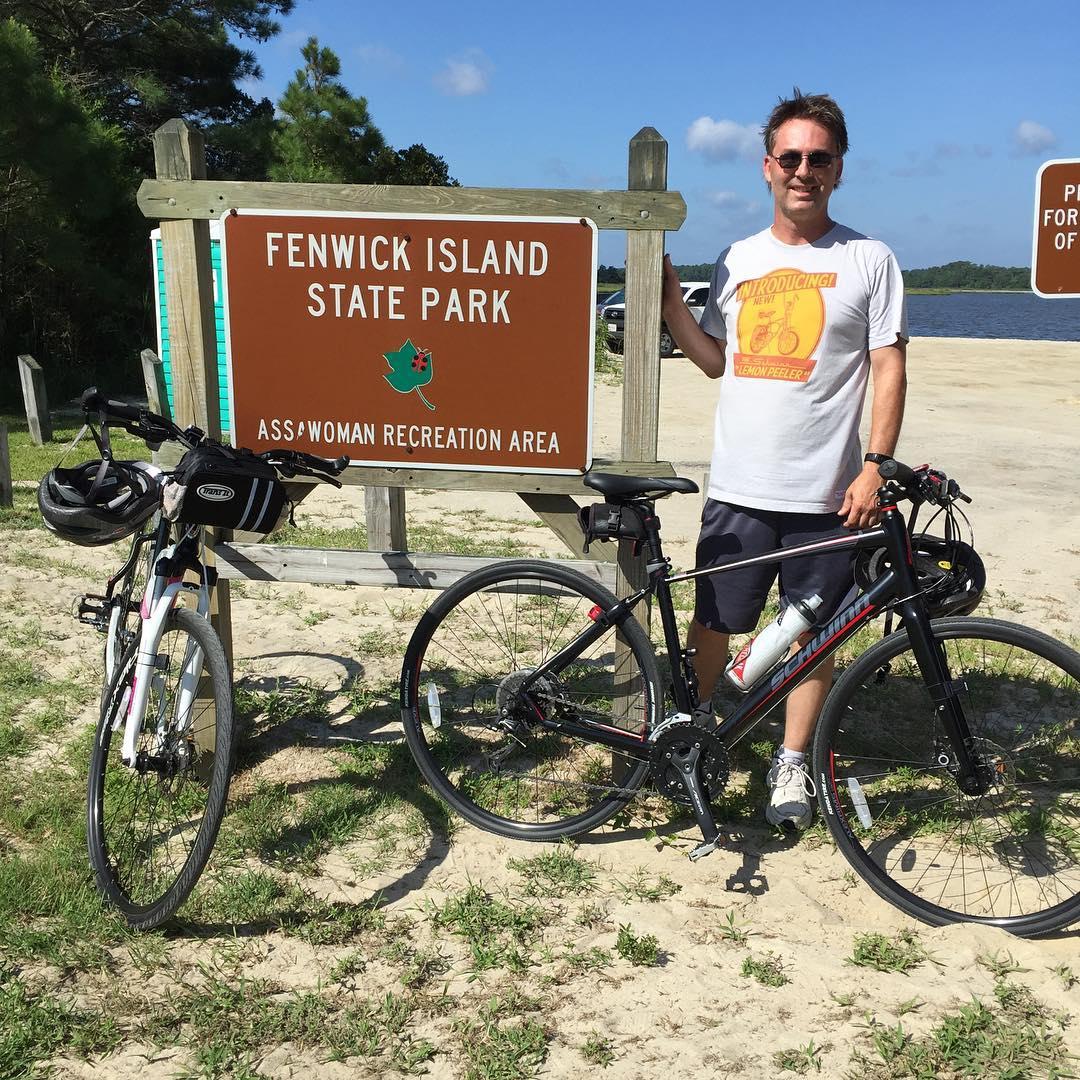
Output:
x,y
994,315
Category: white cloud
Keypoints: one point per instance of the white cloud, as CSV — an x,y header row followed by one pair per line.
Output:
x,y
380,56
465,75
732,203
723,140
1033,138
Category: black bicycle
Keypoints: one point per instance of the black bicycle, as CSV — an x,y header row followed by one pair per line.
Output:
x,y
946,758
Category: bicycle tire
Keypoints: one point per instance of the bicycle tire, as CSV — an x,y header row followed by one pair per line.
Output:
x,y
1009,857
462,666
150,830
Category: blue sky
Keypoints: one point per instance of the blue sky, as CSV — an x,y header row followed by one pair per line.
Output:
x,y
951,106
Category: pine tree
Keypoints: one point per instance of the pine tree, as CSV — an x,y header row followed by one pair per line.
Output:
x,y
327,135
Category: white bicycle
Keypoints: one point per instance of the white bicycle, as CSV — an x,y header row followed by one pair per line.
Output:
x,y
162,753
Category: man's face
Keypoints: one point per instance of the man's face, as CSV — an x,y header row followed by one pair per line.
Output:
x,y
802,192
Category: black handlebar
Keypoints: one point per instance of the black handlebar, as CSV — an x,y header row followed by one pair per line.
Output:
x,y
155,429
920,485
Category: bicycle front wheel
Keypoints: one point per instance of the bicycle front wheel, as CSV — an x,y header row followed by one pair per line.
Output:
x,y
497,755
1010,856
151,826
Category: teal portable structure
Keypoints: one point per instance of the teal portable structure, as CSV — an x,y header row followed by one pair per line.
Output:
x,y
164,352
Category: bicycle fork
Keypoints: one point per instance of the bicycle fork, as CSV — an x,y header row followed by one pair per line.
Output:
x,y
945,694
150,671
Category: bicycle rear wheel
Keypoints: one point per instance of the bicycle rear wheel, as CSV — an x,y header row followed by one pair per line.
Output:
x,y
150,829
1010,856
498,759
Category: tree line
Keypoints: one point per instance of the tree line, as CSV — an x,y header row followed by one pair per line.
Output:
x,y
954,275
83,86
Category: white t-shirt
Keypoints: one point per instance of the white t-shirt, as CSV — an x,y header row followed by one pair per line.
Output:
x,y
799,322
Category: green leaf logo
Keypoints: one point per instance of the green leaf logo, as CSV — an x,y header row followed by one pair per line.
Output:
x,y
410,368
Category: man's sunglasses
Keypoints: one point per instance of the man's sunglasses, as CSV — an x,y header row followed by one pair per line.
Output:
x,y
816,159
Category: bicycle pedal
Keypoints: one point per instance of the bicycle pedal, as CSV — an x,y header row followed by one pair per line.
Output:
x,y
704,848
93,610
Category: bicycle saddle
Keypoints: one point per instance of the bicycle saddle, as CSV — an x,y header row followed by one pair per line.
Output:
x,y
616,486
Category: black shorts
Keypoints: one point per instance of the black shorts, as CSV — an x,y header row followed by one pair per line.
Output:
x,y
732,602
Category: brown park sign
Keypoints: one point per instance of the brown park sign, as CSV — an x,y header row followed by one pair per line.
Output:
x,y
422,341
1055,259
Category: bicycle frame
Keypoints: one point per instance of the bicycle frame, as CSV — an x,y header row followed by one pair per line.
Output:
x,y
897,584
163,585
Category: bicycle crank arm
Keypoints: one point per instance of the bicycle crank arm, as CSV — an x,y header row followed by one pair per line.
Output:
x,y
699,804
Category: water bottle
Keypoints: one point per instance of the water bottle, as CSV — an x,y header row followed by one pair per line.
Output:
x,y
761,652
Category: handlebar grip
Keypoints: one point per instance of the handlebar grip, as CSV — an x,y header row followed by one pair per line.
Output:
x,y
340,463
891,469
94,401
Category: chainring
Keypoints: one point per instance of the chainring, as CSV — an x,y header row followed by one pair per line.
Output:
x,y
674,750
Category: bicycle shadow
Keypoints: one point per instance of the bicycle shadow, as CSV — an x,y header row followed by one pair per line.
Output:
x,y
749,843
290,822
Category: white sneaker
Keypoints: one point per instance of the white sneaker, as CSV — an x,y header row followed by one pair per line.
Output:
x,y
790,790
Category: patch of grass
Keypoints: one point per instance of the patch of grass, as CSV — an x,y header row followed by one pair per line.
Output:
x,y
800,1059
259,898
498,933
641,887
999,966
641,951
419,966
1066,975
286,702
23,513
499,1049
730,931
49,908
597,1050
313,618
380,644
37,1026
901,953
555,873
308,534
593,959
767,970
1008,1040
32,702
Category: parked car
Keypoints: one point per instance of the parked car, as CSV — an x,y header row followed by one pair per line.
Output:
x,y
613,312
605,301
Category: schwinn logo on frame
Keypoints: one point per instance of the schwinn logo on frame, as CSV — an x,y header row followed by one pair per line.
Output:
x,y
215,492
827,633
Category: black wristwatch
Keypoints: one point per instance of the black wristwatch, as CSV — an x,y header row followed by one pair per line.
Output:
x,y
876,459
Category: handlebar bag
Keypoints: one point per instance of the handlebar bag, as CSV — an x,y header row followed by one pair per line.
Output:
x,y
230,489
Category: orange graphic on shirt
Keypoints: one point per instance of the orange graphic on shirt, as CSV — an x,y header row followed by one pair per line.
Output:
x,y
781,319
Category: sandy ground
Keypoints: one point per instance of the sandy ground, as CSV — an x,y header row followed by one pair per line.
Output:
x,y
1004,419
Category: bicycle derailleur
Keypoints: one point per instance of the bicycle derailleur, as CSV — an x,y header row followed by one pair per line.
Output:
x,y
690,766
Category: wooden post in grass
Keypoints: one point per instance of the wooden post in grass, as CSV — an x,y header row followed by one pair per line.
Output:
x,y
5,468
647,171
180,154
37,406
157,395
385,511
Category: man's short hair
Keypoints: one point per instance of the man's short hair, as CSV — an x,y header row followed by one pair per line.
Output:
x,y
817,107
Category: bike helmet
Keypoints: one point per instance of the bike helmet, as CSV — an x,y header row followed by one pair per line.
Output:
x,y
99,502
950,573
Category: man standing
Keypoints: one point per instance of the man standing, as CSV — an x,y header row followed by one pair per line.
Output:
x,y
809,309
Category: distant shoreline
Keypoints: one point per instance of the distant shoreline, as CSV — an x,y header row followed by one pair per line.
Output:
x,y
946,290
